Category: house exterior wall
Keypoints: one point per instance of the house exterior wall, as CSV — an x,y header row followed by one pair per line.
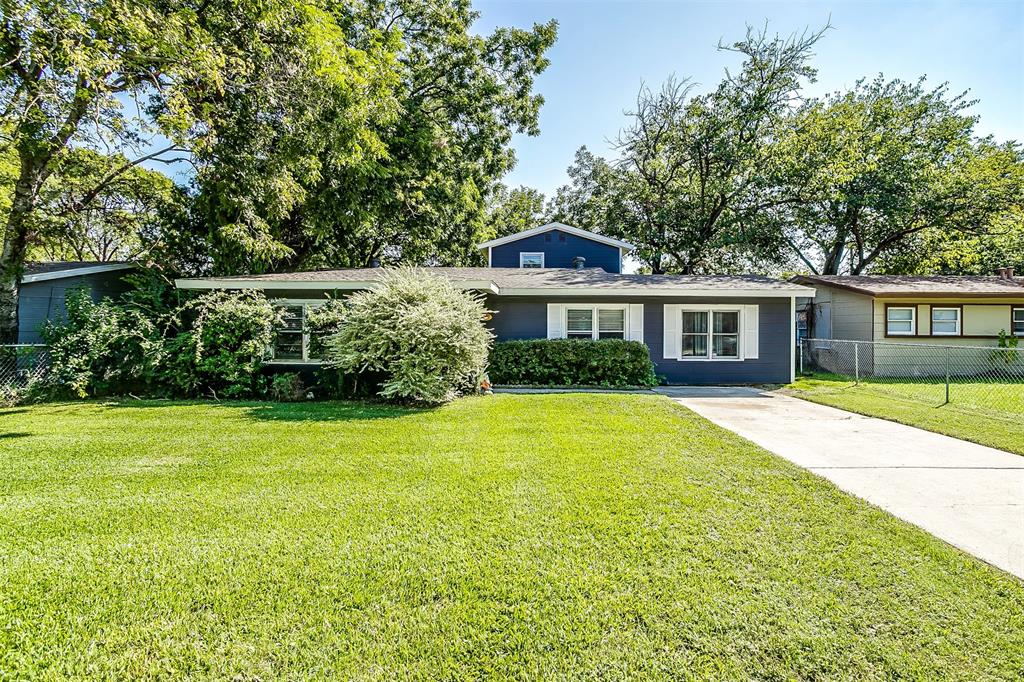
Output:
x,y
981,320
526,318
559,248
42,301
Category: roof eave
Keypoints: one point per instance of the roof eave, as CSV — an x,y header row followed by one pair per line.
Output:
x,y
77,272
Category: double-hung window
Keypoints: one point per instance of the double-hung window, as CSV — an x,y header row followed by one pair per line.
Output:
x,y
292,337
945,321
1017,317
531,260
899,321
595,322
710,334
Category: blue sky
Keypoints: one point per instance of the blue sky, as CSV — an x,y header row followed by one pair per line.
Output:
x,y
605,50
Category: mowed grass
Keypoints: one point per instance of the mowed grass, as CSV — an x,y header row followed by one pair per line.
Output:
x,y
987,413
515,536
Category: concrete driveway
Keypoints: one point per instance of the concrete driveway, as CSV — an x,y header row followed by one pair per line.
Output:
x,y
969,495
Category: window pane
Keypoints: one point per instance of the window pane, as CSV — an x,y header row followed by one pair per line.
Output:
x,y
579,320
291,317
695,322
900,327
900,314
695,345
726,346
1018,321
288,346
531,260
611,335
944,328
727,323
611,320
945,314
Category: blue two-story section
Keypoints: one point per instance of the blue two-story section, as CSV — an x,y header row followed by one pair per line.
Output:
x,y
556,246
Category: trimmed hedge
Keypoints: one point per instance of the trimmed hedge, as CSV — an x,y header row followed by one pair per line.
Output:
x,y
611,363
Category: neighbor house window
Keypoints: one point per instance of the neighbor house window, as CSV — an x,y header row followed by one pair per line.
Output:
x,y
291,338
531,260
595,322
945,321
1018,321
900,321
719,339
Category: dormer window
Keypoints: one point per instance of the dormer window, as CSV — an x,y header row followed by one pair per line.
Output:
x,y
531,259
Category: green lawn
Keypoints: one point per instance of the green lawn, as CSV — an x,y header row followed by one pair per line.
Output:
x,y
515,536
983,412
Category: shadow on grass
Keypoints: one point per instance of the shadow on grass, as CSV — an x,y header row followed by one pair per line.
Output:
x,y
285,412
14,434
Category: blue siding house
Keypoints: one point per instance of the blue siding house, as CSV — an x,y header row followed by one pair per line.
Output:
x,y
557,281
45,285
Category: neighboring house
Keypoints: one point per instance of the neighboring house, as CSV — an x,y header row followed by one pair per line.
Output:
x,y
45,285
543,283
918,310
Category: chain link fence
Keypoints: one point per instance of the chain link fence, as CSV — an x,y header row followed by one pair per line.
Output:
x,y
984,378
21,366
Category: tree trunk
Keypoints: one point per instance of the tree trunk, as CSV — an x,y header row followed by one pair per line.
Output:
x,y
15,247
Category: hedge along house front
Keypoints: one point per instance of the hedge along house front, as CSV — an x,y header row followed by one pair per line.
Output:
x,y
698,329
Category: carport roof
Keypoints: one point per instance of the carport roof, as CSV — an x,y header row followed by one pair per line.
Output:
x,y
910,286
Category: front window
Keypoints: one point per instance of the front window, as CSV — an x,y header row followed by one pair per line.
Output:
x,y
292,339
719,339
595,322
579,323
1018,321
899,321
289,342
945,321
531,260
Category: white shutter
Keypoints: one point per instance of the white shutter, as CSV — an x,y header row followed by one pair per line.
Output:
x,y
672,340
555,328
636,322
751,340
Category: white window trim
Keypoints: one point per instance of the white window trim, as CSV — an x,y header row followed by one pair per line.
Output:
x,y
709,309
531,253
913,320
595,307
931,326
1013,319
307,305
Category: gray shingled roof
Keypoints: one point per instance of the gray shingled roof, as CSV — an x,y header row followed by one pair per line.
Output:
x,y
913,285
534,278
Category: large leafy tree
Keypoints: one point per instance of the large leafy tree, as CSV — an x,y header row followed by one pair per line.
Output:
x,y
81,216
421,198
885,168
687,186
117,74
512,210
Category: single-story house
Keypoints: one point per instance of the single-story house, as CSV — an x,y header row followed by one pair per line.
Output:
x,y
45,285
907,317
557,281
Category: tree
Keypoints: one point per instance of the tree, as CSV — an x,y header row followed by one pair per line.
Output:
x,y
110,74
513,210
123,219
421,199
936,252
686,187
879,166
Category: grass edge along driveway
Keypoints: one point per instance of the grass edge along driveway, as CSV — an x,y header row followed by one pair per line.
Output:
x,y
974,415
540,536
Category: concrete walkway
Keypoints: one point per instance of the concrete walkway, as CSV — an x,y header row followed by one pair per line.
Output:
x,y
969,495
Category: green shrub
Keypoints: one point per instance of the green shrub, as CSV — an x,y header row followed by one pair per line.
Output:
x,y
223,347
100,348
426,337
572,362
323,321
287,387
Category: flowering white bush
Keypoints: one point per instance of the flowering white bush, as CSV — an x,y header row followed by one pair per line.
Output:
x,y
426,338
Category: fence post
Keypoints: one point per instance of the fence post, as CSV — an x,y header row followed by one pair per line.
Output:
x,y
856,363
801,350
947,375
